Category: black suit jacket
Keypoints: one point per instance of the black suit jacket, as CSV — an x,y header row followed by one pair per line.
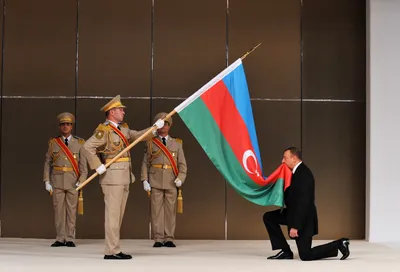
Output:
x,y
301,211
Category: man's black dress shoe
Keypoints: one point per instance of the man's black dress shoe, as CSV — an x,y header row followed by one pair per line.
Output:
x,y
158,244
70,244
119,256
58,244
344,247
282,255
169,244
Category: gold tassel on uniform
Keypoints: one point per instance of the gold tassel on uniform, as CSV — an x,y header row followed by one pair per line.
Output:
x,y
80,203
179,207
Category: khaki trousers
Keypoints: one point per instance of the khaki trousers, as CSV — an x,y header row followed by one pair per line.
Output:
x,y
65,203
163,214
115,197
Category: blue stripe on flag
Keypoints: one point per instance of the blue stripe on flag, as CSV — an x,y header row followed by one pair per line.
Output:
x,y
236,83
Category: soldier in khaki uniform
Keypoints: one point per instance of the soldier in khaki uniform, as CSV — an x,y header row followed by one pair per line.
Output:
x,y
61,179
157,169
109,139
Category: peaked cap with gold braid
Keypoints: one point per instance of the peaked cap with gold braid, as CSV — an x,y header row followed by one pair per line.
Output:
x,y
114,103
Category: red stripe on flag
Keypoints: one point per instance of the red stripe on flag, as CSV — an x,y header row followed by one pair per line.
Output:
x,y
282,172
223,109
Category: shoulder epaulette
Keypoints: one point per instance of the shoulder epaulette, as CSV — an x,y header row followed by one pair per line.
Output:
x,y
51,140
124,125
80,140
100,130
179,140
54,138
104,127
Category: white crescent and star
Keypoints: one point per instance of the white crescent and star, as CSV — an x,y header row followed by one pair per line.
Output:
x,y
247,154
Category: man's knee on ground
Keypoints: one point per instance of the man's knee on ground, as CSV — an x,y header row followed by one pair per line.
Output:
x,y
305,256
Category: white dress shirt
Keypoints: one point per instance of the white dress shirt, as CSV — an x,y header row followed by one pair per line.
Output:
x,y
69,138
113,123
294,169
166,137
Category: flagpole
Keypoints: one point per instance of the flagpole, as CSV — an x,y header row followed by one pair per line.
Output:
x,y
145,134
250,51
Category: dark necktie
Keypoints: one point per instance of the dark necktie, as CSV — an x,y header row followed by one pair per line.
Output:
x,y
66,141
163,141
119,127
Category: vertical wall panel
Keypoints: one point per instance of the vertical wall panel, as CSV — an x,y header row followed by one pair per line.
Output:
x,y
27,208
114,58
273,69
39,60
39,47
189,48
1,83
334,133
334,49
334,149
189,45
114,47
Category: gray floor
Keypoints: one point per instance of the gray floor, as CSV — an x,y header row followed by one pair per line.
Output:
x,y
194,255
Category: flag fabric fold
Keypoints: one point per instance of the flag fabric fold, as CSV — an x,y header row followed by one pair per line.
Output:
x,y
220,117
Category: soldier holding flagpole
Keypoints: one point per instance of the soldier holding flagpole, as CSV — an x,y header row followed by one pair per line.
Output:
x,y
108,141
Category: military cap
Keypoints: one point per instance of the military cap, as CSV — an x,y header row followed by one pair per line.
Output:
x,y
114,103
66,117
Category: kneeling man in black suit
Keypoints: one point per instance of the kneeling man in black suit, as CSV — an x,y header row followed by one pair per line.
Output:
x,y
300,216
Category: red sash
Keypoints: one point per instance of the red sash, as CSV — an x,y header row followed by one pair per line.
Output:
x,y
167,153
69,154
122,136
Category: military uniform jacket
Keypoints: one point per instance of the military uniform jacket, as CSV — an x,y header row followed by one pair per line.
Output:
x,y
104,145
58,169
162,176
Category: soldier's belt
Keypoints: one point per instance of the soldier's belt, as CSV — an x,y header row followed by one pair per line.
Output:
x,y
163,166
119,160
63,168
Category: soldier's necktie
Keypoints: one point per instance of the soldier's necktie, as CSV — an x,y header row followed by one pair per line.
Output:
x,y
66,141
163,141
119,127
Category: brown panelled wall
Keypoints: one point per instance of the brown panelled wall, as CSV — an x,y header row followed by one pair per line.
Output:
x,y
333,131
273,72
189,49
306,81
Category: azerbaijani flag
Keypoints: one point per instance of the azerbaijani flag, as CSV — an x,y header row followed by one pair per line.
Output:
x,y
221,119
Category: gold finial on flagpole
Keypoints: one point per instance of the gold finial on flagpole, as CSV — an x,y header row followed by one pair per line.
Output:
x,y
248,52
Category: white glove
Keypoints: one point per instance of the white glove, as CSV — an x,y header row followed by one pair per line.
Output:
x,y
146,186
101,169
159,123
48,186
77,184
178,182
